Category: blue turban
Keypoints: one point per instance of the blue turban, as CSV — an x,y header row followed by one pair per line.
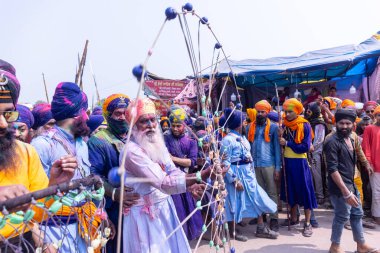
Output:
x,y
273,116
68,101
25,116
222,121
97,111
42,114
9,85
234,119
94,122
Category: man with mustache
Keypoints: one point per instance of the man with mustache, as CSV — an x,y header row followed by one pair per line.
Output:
x,y
371,147
43,119
344,195
22,126
105,148
20,167
68,108
151,172
266,154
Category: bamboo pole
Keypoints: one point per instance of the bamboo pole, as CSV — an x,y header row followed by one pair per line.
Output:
x,y
46,92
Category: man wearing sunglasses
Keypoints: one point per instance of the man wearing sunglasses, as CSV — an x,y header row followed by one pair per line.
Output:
x,y
369,108
21,157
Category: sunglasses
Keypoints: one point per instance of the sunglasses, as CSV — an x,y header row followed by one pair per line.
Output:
x,y
372,111
10,116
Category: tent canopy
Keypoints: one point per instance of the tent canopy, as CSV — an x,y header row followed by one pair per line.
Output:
x,y
339,63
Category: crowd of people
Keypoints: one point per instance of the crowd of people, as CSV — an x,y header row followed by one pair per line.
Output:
x,y
322,152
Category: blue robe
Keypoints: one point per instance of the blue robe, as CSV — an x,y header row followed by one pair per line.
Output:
x,y
299,180
253,200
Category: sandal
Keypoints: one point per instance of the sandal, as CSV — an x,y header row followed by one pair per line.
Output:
x,y
375,250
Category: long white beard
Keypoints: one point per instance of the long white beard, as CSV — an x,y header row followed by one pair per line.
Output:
x,y
153,143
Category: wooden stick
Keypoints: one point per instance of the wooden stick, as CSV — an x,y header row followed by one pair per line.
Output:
x,y
96,85
46,92
282,157
52,190
79,75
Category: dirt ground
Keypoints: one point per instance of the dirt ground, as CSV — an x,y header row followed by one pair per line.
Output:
x,y
293,241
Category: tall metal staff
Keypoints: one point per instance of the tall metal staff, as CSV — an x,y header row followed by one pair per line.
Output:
x,y
282,155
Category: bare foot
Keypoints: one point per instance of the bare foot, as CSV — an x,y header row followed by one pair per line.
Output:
x,y
364,248
335,248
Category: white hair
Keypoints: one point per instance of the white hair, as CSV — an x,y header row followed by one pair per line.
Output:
x,y
152,142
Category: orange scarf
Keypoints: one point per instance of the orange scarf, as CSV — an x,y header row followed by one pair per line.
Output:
x,y
88,222
252,131
298,126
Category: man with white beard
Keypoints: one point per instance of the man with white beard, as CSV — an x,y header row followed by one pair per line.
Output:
x,y
152,174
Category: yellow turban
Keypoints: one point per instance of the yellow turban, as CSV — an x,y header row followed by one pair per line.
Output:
x,y
263,105
347,103
138,108
293,105
251,114
377,110
177,115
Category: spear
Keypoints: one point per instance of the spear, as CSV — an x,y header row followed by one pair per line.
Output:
x,y
46,92
79,75
282,156
96,85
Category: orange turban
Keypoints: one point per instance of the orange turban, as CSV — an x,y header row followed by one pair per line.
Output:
x,y
377,110
138,108
251,114
263,105
330,101
293,105
252,117
347,103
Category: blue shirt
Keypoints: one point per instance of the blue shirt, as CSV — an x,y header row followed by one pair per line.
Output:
x,y
54,144
266,154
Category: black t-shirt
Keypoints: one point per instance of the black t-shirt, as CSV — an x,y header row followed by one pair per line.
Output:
x,y
340,158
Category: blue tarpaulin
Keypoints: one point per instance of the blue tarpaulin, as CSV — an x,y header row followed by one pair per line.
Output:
x,y
339,63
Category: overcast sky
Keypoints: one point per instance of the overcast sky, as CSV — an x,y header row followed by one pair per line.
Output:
x,y
47,35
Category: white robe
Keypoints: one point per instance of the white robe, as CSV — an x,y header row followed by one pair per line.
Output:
x,y
154,217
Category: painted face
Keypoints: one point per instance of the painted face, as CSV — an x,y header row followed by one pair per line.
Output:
x,y
147,121
177,129
21,131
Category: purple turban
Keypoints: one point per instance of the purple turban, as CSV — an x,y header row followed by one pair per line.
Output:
x,y
25,116
97,111
273,116
9,85
42,114
68,101
94,122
